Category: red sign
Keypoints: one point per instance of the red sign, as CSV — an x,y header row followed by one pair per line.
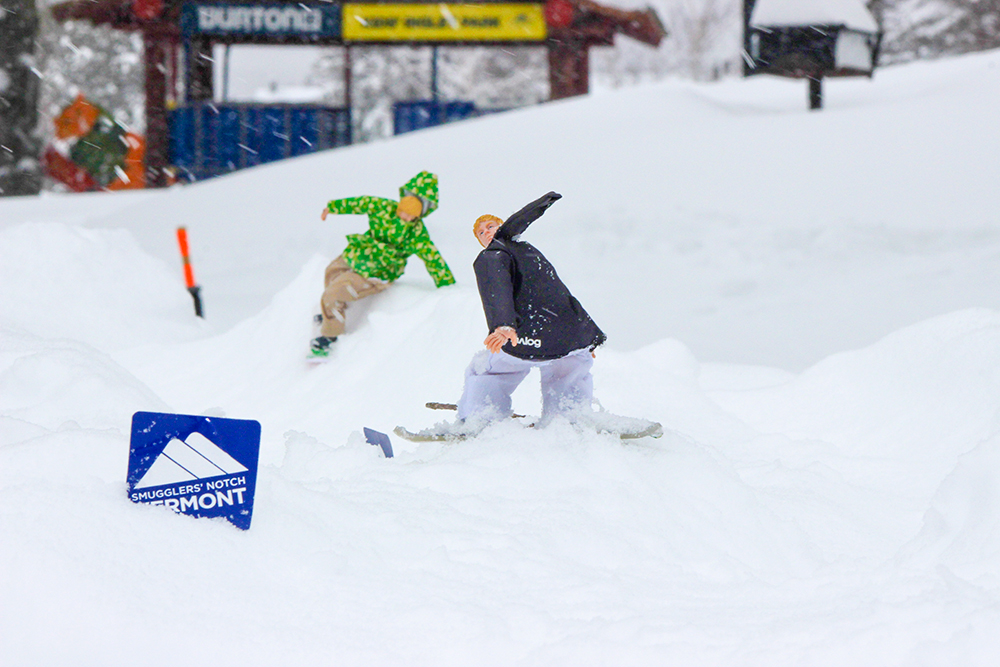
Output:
x,y
146,10
559,13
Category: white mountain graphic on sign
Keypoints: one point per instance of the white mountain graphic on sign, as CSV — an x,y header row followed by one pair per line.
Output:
x,y
187,461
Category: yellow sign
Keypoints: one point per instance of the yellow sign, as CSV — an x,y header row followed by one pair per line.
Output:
x,y
444,22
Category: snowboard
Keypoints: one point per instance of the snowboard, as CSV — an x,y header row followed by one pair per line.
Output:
x,y
314,358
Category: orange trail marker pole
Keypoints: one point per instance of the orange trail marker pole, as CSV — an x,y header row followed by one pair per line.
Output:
x,y
182,241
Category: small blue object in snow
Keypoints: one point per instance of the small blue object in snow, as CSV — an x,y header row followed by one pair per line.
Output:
x,y
199,466
380,439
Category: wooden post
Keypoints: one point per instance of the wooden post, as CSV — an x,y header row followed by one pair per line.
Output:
x,y
569,68
225,75
434,74
199,67
815,92
157,49
348,78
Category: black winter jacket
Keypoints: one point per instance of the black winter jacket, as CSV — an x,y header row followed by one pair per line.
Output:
x,y
520,289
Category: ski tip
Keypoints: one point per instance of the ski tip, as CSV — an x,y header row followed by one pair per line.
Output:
x,y
379,439
424,436
654,430
407,434
434,405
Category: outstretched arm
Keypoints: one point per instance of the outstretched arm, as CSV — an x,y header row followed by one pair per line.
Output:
x,y
438,269
517,223
352,206
435,264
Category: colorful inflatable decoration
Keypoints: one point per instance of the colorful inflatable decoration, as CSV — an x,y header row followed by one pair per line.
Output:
x,y
101,155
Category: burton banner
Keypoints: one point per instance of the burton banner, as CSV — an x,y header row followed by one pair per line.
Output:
x,y
266,20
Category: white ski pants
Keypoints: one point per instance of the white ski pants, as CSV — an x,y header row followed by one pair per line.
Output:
x,y
490,379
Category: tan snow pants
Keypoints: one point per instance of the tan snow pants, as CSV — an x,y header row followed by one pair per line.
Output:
x,y
343,285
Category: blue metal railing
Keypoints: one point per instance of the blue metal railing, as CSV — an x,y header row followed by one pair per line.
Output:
x,y
420,114
209,139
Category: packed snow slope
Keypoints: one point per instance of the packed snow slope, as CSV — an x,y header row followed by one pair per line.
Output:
x,y
808,302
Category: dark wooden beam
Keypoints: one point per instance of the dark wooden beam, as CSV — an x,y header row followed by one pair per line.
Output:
x,y
157,53
200,84
115,13
569,68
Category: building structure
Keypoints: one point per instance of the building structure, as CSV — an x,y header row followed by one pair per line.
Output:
x,y
179,36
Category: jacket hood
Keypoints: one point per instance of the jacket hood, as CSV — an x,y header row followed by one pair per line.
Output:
x,y
424,186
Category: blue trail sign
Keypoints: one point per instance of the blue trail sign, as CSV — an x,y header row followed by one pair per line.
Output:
x,y
199,466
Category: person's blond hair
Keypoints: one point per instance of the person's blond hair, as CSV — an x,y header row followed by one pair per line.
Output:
x,y
483,219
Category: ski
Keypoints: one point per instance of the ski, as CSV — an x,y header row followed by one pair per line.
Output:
x,y
654,430
626,428
427,436
452,406
651,430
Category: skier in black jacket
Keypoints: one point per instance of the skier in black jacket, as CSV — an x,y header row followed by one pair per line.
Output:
x,y
533,321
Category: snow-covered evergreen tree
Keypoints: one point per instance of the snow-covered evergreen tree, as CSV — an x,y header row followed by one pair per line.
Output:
x,y
932,28
19,145
703,43
103,64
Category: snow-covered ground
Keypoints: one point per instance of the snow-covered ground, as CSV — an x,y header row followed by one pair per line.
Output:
x,y
808,302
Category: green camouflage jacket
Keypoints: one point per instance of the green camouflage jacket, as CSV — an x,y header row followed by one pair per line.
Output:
x,y
382,251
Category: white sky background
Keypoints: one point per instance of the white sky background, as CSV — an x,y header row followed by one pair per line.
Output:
x,y
253,69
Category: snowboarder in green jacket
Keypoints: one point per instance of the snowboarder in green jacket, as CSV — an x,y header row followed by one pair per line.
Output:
x,y
373,260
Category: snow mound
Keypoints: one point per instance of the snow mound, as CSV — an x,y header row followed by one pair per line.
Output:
x,y
95,286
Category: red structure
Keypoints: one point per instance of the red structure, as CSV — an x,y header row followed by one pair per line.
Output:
x,y
577,25
571,28
161,39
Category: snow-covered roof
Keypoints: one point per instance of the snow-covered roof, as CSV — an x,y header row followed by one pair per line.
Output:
x,y
851,13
